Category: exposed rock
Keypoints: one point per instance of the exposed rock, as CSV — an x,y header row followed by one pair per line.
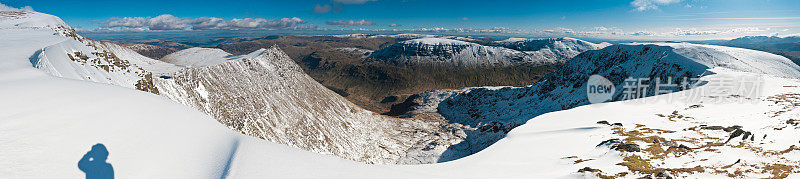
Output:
x,y
609,142
588,169
627,147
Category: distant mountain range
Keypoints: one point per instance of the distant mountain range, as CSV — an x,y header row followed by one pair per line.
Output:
x,y
449,53
367,69
788,47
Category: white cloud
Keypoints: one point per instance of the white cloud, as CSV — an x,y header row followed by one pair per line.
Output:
x,y
284,22
322,8
3,7
644,5
464,18
261,23
162,22
352,1
343,23
130,22
208,23
166,22
394,25
170,22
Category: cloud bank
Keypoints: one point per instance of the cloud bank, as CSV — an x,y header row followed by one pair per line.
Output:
x,y
170,22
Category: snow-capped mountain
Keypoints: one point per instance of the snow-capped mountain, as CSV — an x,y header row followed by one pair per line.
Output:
x,y
553,50
85,59
262,94
198,57
762,40
490,113
448,53
265,94
455,52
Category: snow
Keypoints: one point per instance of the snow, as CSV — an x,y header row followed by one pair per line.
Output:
x,y
436,41
508,107
48,123
198,57
29,19
265,94
454,53
449,53
553,50
736,58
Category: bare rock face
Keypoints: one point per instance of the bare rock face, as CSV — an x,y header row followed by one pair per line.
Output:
x,y
265,94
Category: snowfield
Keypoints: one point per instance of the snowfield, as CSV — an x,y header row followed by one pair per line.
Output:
x,y
198,57
48,123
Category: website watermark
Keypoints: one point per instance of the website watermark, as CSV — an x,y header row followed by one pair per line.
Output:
x,y
712,89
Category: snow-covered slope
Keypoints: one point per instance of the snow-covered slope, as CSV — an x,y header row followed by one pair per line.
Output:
x,y
551,49
489,113
85,59
198,57
265,94
449,53
676,136
48,123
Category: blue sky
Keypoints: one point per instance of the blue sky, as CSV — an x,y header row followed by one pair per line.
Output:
x,y
613,19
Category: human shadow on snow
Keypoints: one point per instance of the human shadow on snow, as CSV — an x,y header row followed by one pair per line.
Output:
x,y
94,163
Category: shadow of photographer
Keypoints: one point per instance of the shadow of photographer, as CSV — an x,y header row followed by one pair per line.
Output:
x,y
94,163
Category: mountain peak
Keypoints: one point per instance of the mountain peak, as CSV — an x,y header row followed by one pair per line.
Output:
x,y
29,19
436,41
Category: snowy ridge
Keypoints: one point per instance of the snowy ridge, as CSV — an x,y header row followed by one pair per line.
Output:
x,y
449,53
456,52
200,57
85,59
737,59
489,113
29,19
435,42
554,50
101,62
77,57
266,95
